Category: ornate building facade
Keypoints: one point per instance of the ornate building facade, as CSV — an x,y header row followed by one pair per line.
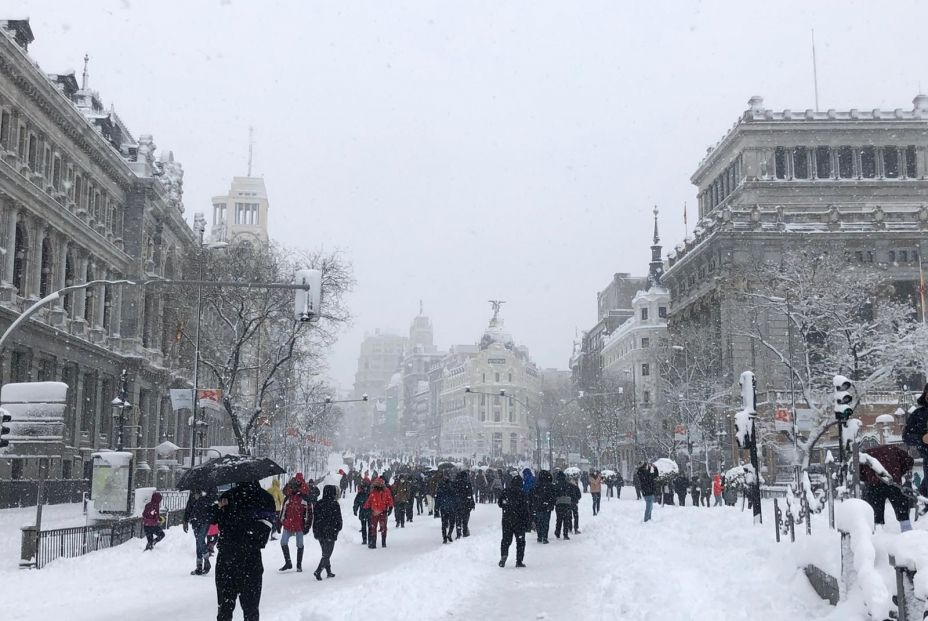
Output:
x,y
81,199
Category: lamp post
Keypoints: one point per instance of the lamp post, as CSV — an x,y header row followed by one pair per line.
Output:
x,y
120,404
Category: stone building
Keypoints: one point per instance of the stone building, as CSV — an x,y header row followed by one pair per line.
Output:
x,y
242,213
850,182
82,199
477,419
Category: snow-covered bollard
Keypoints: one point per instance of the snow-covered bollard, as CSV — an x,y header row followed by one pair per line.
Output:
x,y
854,519
908,553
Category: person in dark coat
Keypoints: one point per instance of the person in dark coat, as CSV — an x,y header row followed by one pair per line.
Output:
x,y
575,504
878,489
446,506
637,485
619,484
916,435
327,523
647,482
543,499
364,490
516,519
681,485
198,513
563,501
464,500
245,516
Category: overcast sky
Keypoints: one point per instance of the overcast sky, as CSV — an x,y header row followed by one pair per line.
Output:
x,y
458,152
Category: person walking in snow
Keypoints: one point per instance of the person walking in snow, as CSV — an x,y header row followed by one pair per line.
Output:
x,y
199,513
610,484
596,489
481,487
295,519
380,503
496,487
446,506
637,485
717,489
151,521
695,490
619,484
364,490
647,481
681,485
516,520
464,503
585,481
543,501
575,504
327,523
343,484
278,495
401,497
563,499
879,487
245,517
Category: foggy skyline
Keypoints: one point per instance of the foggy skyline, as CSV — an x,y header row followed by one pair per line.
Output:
x,y
462,153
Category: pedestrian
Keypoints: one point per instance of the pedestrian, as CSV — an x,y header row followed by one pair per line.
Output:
x,y
596,489
364,490
445,505
496,487
717,489
695,490
516,520
343,483
401,498
575,504
543,500
199,513
151,521
887,485
610,484
278,496
563,499
295,520
380,502
916,435
464,501
418,494
245,517
434,480
481,487
619,484
705,488
637,485
585,480
681,485
647,483
327,523
667,499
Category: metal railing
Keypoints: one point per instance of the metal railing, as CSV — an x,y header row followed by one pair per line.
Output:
x,y
174,500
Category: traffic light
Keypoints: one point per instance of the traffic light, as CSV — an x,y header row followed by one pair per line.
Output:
x,y
4,430
306,302
845,401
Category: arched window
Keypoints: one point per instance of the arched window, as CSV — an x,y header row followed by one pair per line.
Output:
x,y
21,251
45,280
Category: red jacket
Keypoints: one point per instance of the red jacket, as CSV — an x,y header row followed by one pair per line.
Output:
x,y
295,515
717,485
895,459
151,515
379,500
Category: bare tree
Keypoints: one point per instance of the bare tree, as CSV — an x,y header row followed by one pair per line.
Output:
x,y
249,337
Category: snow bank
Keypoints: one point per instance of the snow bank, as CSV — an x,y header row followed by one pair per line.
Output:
x,y
666,467
911,551
855,517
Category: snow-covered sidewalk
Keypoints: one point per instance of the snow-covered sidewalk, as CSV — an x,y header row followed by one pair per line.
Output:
x,y
688,563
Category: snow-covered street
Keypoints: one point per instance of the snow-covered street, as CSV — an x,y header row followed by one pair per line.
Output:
x,y
688,563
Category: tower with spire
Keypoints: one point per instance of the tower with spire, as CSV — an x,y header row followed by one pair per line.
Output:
x,y
656,266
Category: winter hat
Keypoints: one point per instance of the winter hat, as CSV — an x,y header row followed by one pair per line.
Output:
x,y
299,477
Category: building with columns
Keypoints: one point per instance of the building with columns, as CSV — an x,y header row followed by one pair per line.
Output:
x,y
241,214
82,199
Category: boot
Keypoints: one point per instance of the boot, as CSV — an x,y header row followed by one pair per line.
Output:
x,y
318,572
299,560
383,540
328,570
363,536
199,570
502,561
206,565
287,564
520,554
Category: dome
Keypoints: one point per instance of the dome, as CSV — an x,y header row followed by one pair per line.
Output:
x,y
496,333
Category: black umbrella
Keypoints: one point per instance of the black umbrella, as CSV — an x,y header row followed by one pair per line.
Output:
x,y
228,469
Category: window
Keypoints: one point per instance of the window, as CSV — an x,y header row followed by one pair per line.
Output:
x,y
21,142
892,256
513,444
5,129
497,414
779,160
859,255
845,163
644,314
45,278
16,469
483,415
645,369
512,414
890,163
800,163
510,378
21,249
646,396
911,161
822,162
903,256
33,154
497,377
645,342
868,162
56,174
662,312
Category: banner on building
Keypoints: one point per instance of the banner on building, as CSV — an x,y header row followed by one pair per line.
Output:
x,y
181,399
805,419
209,398
679,433
782,420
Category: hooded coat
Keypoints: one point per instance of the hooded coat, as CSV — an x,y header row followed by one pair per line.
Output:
x,y
445,500
463,491
364,490
151,515
542,495
528,480
327,521
916,426
565,492
199,509
277,493
647,478
513,502
380,498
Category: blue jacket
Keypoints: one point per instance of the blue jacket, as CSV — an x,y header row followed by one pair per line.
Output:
x,y
528,480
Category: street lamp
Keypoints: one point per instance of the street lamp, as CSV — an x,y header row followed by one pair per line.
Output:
x,y
120,405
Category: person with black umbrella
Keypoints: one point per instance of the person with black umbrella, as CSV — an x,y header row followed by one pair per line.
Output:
x,y
245,516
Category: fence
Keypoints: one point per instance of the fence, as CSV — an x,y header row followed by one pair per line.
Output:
x,y
42,547
22,493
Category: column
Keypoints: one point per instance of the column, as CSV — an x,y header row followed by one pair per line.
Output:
x,y
60,266
80,277
41,232
9,241
100,293
116,310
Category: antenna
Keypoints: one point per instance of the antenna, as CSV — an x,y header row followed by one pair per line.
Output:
x,y
251,146
814,70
